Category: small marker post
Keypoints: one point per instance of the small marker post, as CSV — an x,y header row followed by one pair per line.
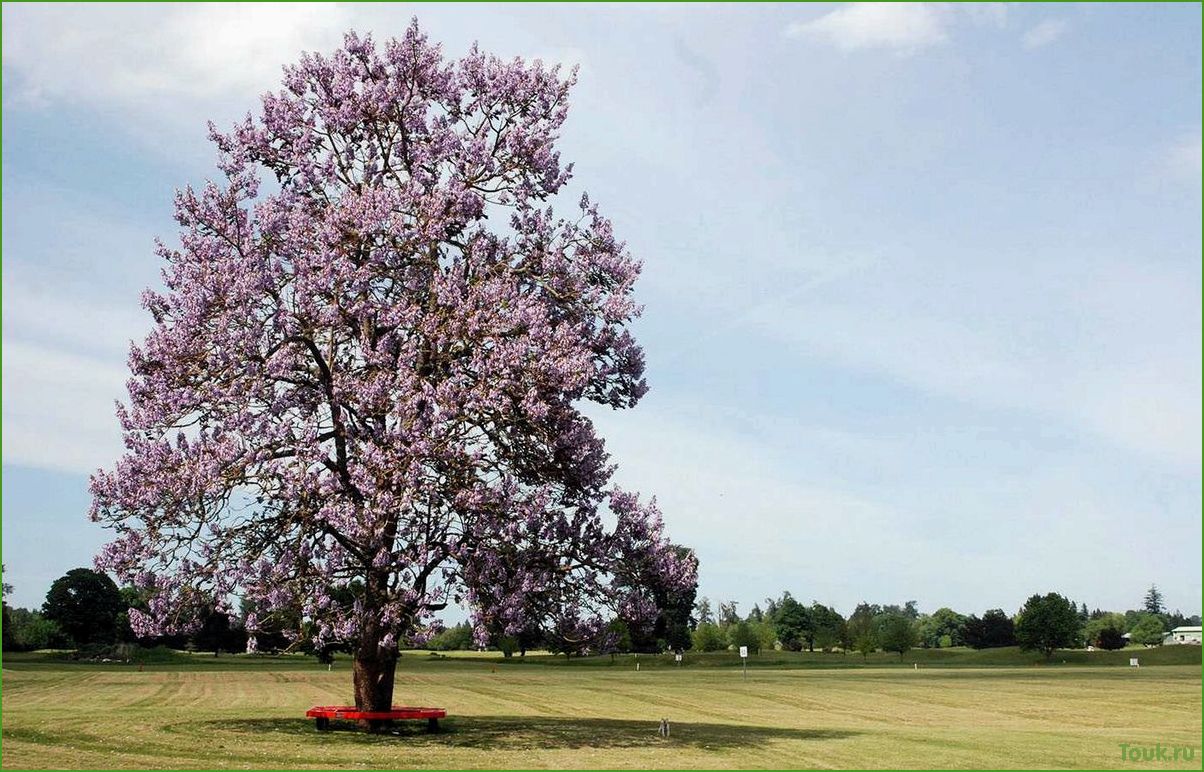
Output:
x,y
744,661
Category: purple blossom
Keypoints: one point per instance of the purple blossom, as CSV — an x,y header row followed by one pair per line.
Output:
x,y
358,401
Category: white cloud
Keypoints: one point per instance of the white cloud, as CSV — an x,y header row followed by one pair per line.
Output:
x,y
900,26
726,492
984,14
1107,345
1112,348
64,367
59,409
1044,33
207,53
136,56
164,70
33,312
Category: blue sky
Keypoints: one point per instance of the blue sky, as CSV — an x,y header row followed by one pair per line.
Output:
x,y
922,282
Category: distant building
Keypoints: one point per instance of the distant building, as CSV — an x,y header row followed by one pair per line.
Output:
x,y
1183,635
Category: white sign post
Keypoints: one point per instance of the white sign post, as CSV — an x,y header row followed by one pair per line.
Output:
x,y
677,657
744,661
1133,662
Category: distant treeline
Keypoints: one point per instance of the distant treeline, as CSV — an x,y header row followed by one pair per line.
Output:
x,y
1044,623
87,612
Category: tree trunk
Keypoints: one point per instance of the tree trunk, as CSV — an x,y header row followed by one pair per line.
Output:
x,y
374,671
374,665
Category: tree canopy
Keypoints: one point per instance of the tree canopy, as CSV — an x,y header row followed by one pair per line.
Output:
x,y
793,623
897,633
85,604
1149,630
944,627
360,398
994,629
1153,601
1047,623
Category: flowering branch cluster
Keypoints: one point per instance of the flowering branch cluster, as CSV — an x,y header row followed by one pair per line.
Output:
x,y
358,402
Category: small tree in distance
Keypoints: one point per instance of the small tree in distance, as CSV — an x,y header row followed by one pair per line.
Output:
x,y
85,604
994,629
1153,601
708,637
455,638
1047,623
30,630
1110,638
944,627
1106,631
744,634
1148,631
793,623
897,633
767,636
827,627
865,643
861,631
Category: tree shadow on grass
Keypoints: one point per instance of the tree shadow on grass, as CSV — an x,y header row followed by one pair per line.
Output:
x,y
521,732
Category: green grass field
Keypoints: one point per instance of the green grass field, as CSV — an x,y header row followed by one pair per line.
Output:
x,y
792,711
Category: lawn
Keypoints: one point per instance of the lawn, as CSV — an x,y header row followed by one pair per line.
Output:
x,y
238,712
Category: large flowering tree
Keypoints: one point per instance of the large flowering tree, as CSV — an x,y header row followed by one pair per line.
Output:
x,y
359,401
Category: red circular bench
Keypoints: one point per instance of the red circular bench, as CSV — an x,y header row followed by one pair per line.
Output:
x,y
322,715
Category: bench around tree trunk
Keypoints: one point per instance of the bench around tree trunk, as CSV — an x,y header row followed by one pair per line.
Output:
x,y
323,714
